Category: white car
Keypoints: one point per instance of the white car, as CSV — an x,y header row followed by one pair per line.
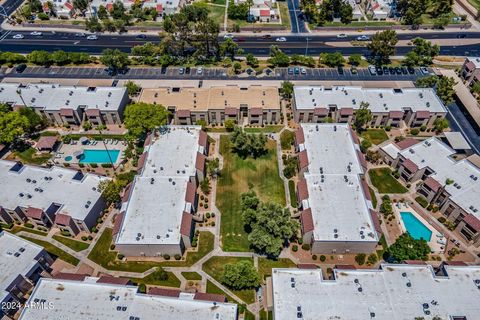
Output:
x,y
363,38
18,36
80,34
281,39
92,37
303,71
200,70
341,35
228,36
36,33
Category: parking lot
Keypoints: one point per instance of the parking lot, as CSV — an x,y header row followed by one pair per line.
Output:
x,y
182,73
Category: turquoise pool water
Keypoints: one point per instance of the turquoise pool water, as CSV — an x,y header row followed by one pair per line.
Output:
x,y
99,156
68,158
415,227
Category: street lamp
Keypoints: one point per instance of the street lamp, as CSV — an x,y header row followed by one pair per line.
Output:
x,y
306,48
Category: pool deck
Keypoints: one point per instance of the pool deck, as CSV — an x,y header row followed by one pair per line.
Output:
x,y
433,243
68,150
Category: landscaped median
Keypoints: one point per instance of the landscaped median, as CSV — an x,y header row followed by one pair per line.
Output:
x,y
383,180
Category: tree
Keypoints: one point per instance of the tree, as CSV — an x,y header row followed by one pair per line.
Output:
x,y
12,126
114,59
60,57
346,12
286,89
35,121
365,145
80,5
251,60
445,89
238,11
278,58
39,57
427,82
372,259
382,45
213,167
92,24
362,116
102,13
110,191
441,21
407,248
229,47
335,59
240,275
230,124
202,123
132,88
442,8
441,125
245,145
205,186
476,87
237,67
360,258
141,117
355,59
422,54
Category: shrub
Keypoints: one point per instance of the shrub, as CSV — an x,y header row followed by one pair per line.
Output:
x,y
93,165
28,225
323,258
329,270
166,256
94,230
107,165
414,131
360,258
205,206
194,243
306,246
207,215
212,223
372,259
81,165
300,241
84,238
99,220
213,214
388,128
43,16
294,248
112,247
178,257
314,257
422,201
142,288
423,128
66,233
90,238
441,219
120,256
202,197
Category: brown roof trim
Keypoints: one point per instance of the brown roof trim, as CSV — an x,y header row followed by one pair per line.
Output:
x,y
200,162
472,221
346,111
230,111
423,114
148,140
164,292
203,139
365,189
142,160
410,165
303,159
118,223
395,114
302,189
299,136
406,143
306,266
66,112
186,224
69,276
46,142
126,192
34,213
376,221
256,111
354,136
209,297
92,112
191,192
320,111
113,280
415,262
62,219
455,263
361,158
345,267
183,114
433,184
306,219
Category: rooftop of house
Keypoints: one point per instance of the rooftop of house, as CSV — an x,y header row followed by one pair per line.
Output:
x,y
70,192
168,168
336,195
432,153
146,3
393,292
381,100
56,96
475,61
17,257
91,300
203,99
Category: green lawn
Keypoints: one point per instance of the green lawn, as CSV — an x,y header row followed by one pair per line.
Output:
x,y
475,3
237,174
265,129
217,13
266,315
215,266
293,193
376,136
287,139
383,180
73,244
191,275
153,279
102,255
284,14
29,156
372,195
53,250
265,265
17,229
360,24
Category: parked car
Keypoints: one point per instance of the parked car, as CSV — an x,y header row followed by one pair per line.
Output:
x,y
411,70
372,70
200,70
391,70
290,70
354,70
187,70
404,70
281,39
385,70
35,33
181,70
424,70
340,70
21,67
296,70
303,71
18,36
379,70
92,37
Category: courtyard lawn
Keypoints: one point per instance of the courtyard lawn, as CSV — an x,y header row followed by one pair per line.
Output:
x,y
215,266
237,175
72,244
383,180
287,139
265,266
265,129
217,13
293,193
475,3
191,275
153,279
17,229
53,250
376,136
29,156
374,198
102,255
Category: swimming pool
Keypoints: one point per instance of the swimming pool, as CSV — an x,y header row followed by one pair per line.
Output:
x,y
99,156
415,227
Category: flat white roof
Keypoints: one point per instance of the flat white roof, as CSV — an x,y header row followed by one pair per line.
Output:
x,y
336,197
381,100
17,257
154,210
465,190
384,293
56,97
39,187
475,60
89,300
457,141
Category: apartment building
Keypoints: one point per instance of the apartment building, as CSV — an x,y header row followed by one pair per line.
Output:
x,y
336,212
394,291
255,105
94,298
380,9
163,7
453,185
48,197
173,163
68,105
470,71
263,11
412,107
21,263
